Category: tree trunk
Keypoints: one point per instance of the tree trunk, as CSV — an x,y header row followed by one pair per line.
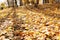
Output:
x,y
37,1
27,1
32,1
21,3
8,3
16,3
12,3
45,1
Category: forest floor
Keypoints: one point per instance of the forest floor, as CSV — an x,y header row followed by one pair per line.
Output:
x,y
30,23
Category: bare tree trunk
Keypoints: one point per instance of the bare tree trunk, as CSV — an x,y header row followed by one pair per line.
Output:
x,y
12,3
36,3
8,3
21,3
32,1
27,1
45,1
16,3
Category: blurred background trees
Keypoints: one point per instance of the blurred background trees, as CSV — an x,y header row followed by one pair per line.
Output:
x,y
10,3
21,3
14,3
2,6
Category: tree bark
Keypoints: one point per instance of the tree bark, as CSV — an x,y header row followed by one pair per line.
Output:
x,y
32,1
45,1
16,3
12,3
37,1
8,3
27,1
21,3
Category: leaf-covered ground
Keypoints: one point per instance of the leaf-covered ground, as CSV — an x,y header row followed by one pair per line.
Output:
x,y
26,23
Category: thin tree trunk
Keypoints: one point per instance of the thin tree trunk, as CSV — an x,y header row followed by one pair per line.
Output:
x,y
45,1
12,3
37,1
27,1
16,3
8,3
21,3
32,1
